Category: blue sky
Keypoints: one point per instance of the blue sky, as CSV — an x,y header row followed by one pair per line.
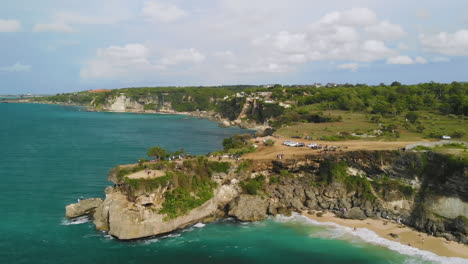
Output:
x,y
53,46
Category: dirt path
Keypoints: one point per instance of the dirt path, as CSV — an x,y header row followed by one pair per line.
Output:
x,y
146,174
271,152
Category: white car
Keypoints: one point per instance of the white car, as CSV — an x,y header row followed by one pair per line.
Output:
x,y
312,145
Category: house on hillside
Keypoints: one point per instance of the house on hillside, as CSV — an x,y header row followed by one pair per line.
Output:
x,y
99,91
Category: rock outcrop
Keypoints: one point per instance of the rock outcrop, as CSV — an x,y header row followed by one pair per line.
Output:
x,y
83,207
249,208
355,213
425,192
126,220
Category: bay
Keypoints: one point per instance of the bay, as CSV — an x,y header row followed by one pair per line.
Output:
x,y
50,155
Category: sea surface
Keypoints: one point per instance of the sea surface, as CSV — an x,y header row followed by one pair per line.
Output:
x,y
51,155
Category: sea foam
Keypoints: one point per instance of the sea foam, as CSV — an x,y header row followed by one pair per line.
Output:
x,y
76,221
366,235
199,225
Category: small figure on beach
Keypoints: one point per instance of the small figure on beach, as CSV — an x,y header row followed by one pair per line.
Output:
x,y
354,229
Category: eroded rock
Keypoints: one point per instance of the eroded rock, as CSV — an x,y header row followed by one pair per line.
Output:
x,y
355,213
83,207
249,208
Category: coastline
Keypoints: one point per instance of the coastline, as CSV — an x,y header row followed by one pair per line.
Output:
x,y
404,234
223,122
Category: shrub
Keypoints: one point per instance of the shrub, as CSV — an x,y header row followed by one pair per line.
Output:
x,y
253,186
180,200
219,166
269,142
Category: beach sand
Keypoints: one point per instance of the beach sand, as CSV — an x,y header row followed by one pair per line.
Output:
x,y
406,235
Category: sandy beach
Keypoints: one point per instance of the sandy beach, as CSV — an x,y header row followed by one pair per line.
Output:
x,y
404,234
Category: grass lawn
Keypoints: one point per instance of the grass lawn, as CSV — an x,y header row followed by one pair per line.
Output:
x,y
359,123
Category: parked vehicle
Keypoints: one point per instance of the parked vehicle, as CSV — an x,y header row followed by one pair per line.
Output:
x,y
299,144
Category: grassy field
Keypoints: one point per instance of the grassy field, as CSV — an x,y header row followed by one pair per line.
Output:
x,y
359,126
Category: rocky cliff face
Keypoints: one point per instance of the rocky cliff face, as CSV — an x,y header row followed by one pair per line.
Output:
x,y
127,218
424,190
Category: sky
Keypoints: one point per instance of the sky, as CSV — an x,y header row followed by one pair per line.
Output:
x,y
55,46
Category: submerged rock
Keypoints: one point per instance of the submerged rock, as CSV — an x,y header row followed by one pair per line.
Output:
x,y
249,208
83,207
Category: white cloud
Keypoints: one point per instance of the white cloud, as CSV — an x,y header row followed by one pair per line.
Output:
x,y
349,66
117,62
440,59
423,13
385,30
65,22
352,17
60,27
136,61
400,60
183,56
406,60
420,60
162,12
10,25
17,67
451,44
354,35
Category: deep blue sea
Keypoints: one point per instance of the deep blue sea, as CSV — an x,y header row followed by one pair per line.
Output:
x,y
50,155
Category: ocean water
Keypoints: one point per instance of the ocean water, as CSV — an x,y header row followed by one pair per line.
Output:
x,y
50,155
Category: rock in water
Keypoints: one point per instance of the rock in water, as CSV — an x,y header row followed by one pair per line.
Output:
x,y
355,213
126,220
249,208
82,207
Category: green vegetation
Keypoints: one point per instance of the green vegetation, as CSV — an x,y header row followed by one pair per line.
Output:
x,y
238,144
148,184
396,111
331,171
386,184
269,142
244,166
181,200
219,166
157,152
456,149
253,186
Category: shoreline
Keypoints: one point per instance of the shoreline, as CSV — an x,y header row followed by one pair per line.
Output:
x,y
198,114
400,233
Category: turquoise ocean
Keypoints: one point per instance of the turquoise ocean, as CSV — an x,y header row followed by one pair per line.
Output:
x,y
51,155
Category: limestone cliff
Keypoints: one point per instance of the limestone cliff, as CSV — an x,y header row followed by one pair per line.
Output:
x,y
125,219
427,191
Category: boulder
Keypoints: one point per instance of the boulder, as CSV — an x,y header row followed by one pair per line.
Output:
x,y
460,224
312,204
83,207
355,213
284,211
225,123
248,208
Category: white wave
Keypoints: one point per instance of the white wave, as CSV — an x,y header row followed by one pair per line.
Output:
x,y
171,235
199,225
76,221
108,237
150,241
366,235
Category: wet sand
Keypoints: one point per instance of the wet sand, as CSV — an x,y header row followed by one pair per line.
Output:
x,y
404,235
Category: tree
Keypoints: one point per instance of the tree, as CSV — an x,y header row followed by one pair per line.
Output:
x,y
412,117
395,83
156,152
